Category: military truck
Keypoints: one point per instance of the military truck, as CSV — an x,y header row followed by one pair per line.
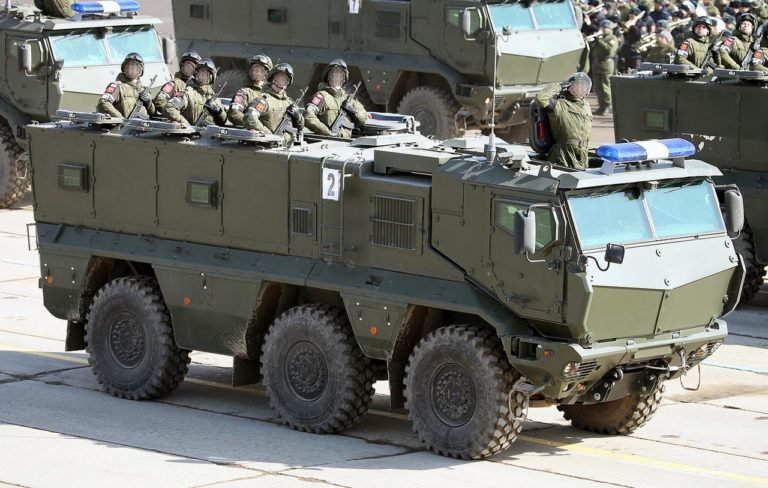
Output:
x,y
724,120
413,57
54,63
476,280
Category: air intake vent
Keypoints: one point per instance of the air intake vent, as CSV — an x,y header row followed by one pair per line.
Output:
x,y
393,222
388,24
302,221
335,28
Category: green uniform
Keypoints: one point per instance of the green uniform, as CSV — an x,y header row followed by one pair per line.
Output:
x,y
325,107
692,51
242,99
266,113
58,8
739,49
660,54
602,62
571,123
187,107
121,96
171,89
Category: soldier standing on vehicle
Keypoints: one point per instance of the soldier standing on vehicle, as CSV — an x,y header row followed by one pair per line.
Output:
x,y
122,95
603,54
175,87
257,73
732,56
330,100
693,50
198,99
570,119
266,112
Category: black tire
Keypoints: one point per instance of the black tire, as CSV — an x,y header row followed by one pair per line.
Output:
x,y
234,78
622,416
316,378
755,272
130,341
13,168
457,385
435,109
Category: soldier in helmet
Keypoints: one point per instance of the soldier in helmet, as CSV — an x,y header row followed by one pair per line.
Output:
x,y
198,98
732,54
330,100
122,95
257,73
570,119
603,52
187,67
693,50
265,113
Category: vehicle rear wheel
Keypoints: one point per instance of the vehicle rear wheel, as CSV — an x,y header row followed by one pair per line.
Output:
x,y
234,78
622,416
315,375
435,109
457,386
13,168
755,272
130,340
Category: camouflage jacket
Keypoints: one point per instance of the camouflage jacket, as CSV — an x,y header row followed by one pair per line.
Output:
x,y
121,96
733,53
266,112
325,107
58,8
603,52
242,99
171,89
571,123
186,107
660,54
692,51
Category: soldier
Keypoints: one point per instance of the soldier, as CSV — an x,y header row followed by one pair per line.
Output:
x,y
603,52
265,113
570,119
56,8
732,56
175,87
663,51
197,99
330,100
122,95
257,72
693,50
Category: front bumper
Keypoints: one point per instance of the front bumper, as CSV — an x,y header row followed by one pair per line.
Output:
x,y
542,361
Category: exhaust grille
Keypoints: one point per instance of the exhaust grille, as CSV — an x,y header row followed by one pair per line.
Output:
x,y
394,222
302,221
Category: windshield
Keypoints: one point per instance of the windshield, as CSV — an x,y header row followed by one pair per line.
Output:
x,y
92,48
634,215
557,15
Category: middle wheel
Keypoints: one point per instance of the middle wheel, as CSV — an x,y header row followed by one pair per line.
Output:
x,y
316,377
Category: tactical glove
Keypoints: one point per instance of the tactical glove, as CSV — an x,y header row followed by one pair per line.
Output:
x,y
212,107
145,98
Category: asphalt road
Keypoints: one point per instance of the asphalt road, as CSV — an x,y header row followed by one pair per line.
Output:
x,y
58,429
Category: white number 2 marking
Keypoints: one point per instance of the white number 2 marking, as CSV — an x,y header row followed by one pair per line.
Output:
x,y
331,179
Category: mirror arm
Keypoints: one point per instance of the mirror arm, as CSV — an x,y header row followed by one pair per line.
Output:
x,y
597,263
533,260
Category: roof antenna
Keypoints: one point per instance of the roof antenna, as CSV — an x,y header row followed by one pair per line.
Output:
x,y
8,7
490,148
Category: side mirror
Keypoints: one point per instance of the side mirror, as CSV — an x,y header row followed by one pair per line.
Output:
x,y
614,253
25,58
734,212
466,22
525,232
169,49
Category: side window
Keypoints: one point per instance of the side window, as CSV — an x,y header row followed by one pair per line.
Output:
x,y
453,17
546,223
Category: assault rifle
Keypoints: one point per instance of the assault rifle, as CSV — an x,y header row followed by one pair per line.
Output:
x,y
286,124
342,120
713,48
137,106
205,111
755,54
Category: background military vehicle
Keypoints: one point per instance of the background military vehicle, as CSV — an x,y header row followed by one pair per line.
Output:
x,y
725,121
54,63
474,284
413,57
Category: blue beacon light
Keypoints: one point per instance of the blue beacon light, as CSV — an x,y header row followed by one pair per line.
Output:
x,y
630,152
106,7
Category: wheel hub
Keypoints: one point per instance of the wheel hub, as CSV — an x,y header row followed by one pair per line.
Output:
x,y
306,371
127,340
452,395
427,120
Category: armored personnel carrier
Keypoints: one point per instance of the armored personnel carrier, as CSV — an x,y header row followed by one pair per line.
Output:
x,y
54,63
475,279
723,117
417,57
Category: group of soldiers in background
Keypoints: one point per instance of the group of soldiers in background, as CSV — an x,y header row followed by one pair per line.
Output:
x,y
191,100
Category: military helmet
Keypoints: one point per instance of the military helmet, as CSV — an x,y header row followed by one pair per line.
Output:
x,y
263,60
338,63
133,57
747,17
207,63
582,77
190,55
708,21
281,68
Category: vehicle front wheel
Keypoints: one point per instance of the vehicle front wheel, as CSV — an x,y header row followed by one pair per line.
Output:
x,y
435,109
